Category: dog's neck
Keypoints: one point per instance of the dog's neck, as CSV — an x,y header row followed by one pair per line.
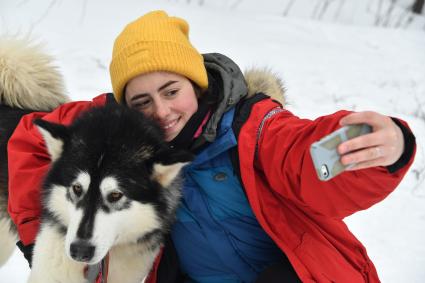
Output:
x,y
131,263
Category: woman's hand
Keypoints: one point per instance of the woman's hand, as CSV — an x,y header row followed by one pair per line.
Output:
x,y
382,147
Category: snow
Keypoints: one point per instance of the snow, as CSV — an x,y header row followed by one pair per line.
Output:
x,y
326,66
359,12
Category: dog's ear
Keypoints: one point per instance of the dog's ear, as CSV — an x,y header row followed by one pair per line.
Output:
x,y
54,136
168,163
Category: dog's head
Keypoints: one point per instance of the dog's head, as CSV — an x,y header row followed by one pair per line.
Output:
x,y
113,180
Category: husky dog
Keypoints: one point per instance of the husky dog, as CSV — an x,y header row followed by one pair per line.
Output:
x,y
112,188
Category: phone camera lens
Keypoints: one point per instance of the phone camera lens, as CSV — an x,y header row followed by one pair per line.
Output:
x,y
324,171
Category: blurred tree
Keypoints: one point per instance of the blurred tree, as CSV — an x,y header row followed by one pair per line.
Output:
x,y
378,13
418,6
321,8
388,15
288,7
339,9
408,16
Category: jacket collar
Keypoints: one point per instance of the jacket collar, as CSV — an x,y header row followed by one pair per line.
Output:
x,y
229,85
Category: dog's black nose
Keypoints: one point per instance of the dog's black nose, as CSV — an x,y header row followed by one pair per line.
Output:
x,y
82,251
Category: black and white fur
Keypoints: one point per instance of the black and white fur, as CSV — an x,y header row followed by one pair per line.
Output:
x,y
113,187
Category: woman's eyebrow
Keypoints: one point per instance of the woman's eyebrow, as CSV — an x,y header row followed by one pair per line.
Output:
x,y
166,84
137,96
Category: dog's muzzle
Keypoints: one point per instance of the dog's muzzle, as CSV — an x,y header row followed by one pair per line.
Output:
x,y
82,251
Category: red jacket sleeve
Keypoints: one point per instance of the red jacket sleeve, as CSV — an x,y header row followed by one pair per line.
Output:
x,y
28,162
285,160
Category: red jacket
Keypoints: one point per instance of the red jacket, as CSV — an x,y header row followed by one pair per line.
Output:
x,y
303,215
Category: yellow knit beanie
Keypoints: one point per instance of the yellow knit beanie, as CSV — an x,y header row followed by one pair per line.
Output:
x,y
155,42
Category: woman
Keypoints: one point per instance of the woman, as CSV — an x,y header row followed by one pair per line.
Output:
x,y
253,209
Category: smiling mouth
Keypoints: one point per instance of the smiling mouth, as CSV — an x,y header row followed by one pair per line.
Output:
x,y
171,124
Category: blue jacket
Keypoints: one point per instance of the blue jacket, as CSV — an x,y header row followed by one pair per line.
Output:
x,y
215,224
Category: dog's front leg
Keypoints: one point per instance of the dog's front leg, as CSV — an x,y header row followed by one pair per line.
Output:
x,y
50,264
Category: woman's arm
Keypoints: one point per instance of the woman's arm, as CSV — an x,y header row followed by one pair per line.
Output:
x,y
284,159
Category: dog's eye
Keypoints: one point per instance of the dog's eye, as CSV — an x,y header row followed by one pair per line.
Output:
x,y
77,189
114,196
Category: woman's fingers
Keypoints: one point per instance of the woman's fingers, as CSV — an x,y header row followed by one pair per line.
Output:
x,y
365,155
373,119
365,141
366,164
382,147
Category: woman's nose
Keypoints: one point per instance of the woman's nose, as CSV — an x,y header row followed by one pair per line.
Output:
x,y
161,110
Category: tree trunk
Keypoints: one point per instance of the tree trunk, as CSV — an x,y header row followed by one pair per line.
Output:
x,y
338,11
288,7
387,20
316,9
378,14
418,6
325,7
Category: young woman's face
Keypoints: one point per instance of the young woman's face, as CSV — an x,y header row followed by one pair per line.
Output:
x,y
167,97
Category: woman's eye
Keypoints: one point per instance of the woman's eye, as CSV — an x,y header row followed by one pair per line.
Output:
x,y
141,104
172,92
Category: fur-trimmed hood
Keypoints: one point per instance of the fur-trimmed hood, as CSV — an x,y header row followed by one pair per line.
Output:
x,y
265,81
232,86
28,78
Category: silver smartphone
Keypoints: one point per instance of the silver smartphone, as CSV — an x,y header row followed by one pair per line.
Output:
x,y
324,152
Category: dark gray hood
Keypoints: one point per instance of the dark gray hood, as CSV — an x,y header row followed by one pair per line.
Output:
x,y
232,86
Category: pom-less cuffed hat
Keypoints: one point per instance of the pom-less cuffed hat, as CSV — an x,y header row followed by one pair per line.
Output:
x,y
155,42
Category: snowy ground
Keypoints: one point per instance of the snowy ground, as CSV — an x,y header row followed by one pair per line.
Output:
x,y
325,67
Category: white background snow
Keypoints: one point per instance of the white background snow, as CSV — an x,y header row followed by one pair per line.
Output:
x,y
340,62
